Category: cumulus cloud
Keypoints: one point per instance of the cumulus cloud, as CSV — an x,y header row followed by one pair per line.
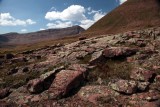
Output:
x,y
98,15
88,22
7,20
60,24
122,1
72,13
23,30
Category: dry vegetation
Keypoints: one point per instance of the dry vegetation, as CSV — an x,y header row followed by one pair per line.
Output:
x,y
129,16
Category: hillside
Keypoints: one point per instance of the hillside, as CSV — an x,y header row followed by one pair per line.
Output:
x,y
133,14
15,38
121,70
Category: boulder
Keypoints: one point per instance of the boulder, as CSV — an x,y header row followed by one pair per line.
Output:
x,y
43,82
118,51
82,38
18,60
93,93
4,92
9,56
141,103
65,82
156,84
147,96
77,55
35,86
141,74
95,56
125,86
142,86
78,67
25,69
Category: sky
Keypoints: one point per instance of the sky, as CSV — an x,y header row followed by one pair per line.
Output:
x,y
25,16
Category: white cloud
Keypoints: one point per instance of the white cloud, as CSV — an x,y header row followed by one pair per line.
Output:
x,y
72,13
122,1
41,29
30,22
98,15
60,24
88,22
7,20
23,30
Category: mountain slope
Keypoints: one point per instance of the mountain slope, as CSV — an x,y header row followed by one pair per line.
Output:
x,y
15,38
133,14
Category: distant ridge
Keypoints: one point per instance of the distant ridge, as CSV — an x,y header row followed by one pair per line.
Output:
x,y
132,15
15,38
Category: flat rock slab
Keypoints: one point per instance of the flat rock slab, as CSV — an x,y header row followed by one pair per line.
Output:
x,y
78,67
43,82
141,74
118,51
147,96
125,86
92,93
64,82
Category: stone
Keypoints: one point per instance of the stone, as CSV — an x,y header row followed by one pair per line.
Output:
x,y
18,60
35,86
142,86
25,69
82,38
43,82
4,92
156,85
157,79
77,55
64,82
93,93
140,103
78,67
95,56
125,86
9,56
147,96
141,74
13,71
118,51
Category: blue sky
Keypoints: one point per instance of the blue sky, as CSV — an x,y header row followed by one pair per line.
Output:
x,y
33,15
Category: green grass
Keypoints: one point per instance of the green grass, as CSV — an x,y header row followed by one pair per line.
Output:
x,y
110,69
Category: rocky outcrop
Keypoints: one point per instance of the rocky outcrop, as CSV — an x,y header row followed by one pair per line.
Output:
x,y
64,82
93,93
43,82
124,86
106,71
118,51
141,74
